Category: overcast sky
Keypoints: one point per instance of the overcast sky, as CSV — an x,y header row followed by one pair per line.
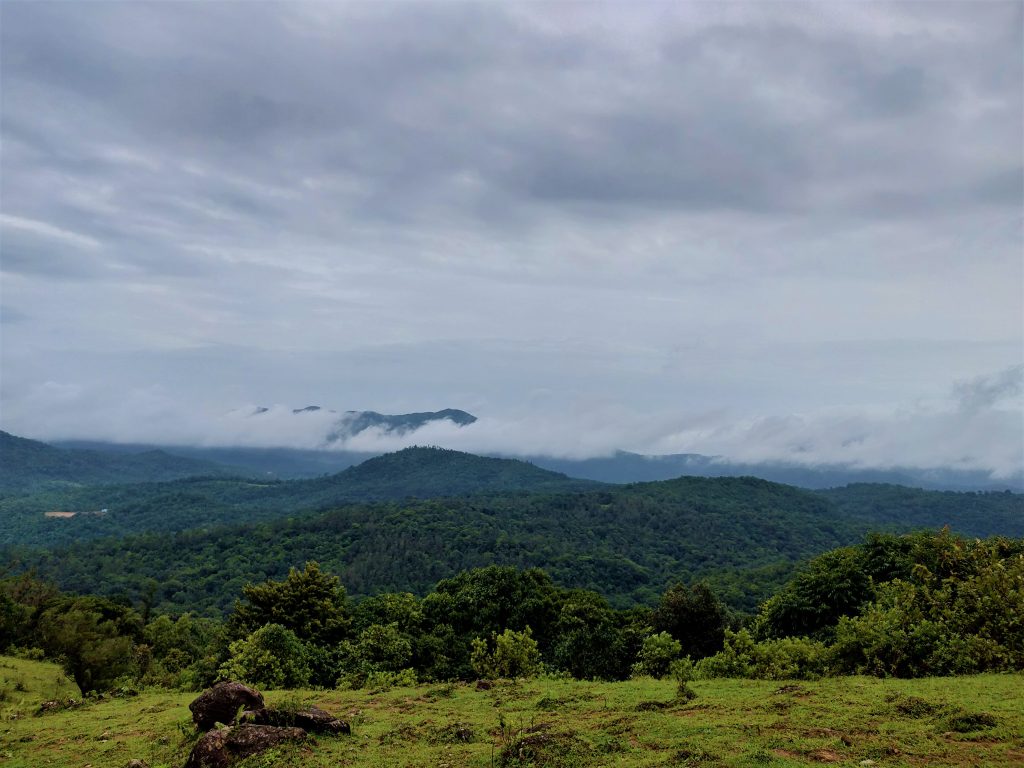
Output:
x,y
767,230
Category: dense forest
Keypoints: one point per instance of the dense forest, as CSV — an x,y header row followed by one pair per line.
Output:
x,y
402,521
203,502
909,605
742,534
430,564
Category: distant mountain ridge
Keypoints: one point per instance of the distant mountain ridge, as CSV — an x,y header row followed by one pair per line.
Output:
x,y
351,423
29,465
209,501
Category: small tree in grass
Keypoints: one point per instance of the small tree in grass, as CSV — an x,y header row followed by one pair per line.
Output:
x,y
657,654
510,654
683,672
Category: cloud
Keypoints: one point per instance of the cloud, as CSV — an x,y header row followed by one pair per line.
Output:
x,y
986,391
982,431
771,227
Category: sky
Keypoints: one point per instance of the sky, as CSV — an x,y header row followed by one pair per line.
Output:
x,y
768,231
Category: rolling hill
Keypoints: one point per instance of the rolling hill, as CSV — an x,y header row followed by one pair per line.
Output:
x,y
29,465
212,501
628,542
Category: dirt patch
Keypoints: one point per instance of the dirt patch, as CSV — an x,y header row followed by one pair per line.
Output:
x,y
825,756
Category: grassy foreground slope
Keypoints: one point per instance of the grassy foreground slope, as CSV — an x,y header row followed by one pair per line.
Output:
x,y
843,721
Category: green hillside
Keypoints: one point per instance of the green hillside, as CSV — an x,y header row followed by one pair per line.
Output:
x,y
627,543
28,466
972,513
210,501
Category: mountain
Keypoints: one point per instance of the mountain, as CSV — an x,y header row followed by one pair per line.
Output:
x,y
211,501
274,463
620,467
978,514
742,534
354,422
625,467
626,542
29,465
351,423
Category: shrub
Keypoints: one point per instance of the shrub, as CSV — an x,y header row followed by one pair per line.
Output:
x,y
657,654
271,657
789,658
510,654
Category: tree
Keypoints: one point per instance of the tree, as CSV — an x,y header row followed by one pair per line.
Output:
x,y
510,654
89,645
694,616
383,647
401,608
271,657
832,585
589,640
310,603
657,654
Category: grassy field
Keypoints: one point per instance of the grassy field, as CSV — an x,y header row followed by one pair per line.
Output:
x,y
971,721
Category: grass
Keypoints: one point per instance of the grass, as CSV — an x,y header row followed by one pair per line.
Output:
x,y
24,684
970,721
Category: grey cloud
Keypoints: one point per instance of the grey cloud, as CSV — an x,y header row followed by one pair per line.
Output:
x,y
459,203
988,390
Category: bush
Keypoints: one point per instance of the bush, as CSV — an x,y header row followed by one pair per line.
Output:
x,y
657,654
510,654
790,658
271,657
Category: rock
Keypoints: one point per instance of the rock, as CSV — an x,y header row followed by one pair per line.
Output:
x,y
312,719
136,763
222,703
223,747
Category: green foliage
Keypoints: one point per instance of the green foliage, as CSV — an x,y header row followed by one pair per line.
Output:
x,y
657,654
510,654
790,658
625,543
401,608
310,603
30,466
91,638
694,617
592,642
683,672
972,513
271,657
934,625
487,601
218,496
832,585
383,648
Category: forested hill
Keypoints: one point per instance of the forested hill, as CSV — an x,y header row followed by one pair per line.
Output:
x,y
743,534
29,465
435,472
206,502
971,513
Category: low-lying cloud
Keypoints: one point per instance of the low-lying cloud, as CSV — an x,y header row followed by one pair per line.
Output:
x,y
978,427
